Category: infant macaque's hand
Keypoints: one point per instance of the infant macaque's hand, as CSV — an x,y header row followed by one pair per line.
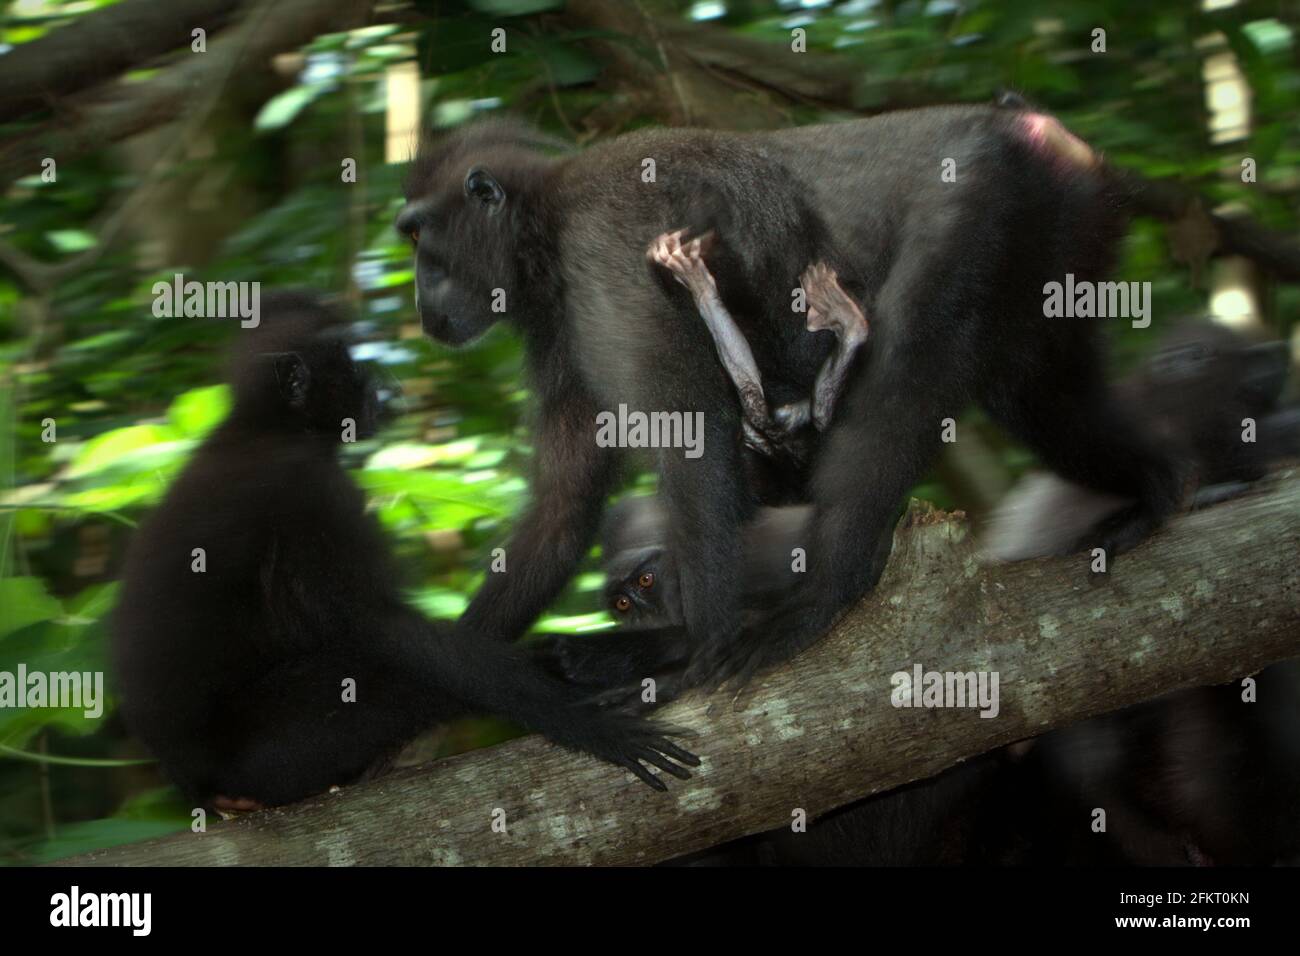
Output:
x,y
685,262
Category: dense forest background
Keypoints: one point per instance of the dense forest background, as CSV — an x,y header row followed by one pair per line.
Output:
x,y
226,164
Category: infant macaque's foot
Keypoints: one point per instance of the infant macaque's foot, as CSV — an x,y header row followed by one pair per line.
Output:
x,y
756,440
685,262
830,307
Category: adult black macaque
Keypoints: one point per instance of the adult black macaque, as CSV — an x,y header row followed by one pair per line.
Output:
x,y
233,672
952,274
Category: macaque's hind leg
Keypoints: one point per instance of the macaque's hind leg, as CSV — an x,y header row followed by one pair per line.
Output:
x,y
1081,430
830,307
687,266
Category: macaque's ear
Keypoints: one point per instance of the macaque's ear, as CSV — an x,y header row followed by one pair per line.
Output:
x,y
292,376
482,185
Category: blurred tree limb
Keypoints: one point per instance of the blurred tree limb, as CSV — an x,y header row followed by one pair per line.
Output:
x,y
704,61
1214,597
98,46
1228,233
677,70
202,90
117,110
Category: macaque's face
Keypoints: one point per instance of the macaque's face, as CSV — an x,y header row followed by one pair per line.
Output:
x,y
640,589
342,389
462,230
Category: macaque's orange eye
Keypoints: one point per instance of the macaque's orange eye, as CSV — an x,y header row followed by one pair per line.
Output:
x,y
622,604
646,580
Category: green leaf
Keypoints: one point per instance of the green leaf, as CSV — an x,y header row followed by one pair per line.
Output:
x,y
23,602
404,456
76,838
280,109
574,623
198,411
70,240
456,501
112,447
440,602
7,518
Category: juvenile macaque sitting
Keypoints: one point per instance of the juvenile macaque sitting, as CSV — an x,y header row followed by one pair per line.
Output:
x,y
263,649
828,307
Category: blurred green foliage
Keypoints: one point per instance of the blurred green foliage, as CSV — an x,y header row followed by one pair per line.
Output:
x,y
260,198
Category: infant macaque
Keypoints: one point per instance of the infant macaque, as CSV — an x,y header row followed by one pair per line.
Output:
x,y
829,307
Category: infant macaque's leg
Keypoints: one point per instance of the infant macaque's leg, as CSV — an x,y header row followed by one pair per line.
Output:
x,y
830,307
686,263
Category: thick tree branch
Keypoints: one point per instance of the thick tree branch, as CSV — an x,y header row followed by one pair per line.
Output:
x,y
122,109
706,66
1214,597
690,73
98,46
1232,234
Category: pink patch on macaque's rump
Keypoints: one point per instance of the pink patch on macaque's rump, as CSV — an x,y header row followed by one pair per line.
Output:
x,y
1046,133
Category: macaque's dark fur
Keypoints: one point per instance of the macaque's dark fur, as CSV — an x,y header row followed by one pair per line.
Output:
x,y
1193,394
233,677
951,273
1198,387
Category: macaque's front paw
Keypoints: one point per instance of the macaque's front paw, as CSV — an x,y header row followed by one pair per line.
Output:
x,y
757,440
637,744
685,261
779,438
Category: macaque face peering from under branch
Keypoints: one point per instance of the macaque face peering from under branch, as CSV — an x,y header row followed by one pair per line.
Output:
x,y
641,588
